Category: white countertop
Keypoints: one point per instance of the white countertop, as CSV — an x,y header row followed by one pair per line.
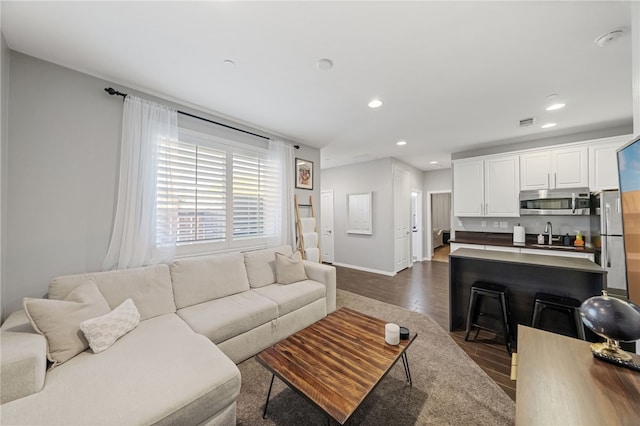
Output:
x,y
577,264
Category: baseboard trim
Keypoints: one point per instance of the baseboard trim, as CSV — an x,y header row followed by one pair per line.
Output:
x,y
361,268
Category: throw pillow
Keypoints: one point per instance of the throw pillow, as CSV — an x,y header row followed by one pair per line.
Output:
x,y
290,269
102,332
59,320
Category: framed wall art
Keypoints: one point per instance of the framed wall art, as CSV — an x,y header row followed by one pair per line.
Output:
x,y
304,174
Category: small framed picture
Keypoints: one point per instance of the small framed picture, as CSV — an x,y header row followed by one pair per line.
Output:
x,y
304,174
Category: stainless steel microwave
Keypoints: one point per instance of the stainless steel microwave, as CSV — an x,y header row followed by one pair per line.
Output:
x,y
565,202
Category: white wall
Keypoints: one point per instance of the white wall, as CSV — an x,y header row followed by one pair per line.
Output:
x,y
635,66
63,151
437,180
62,168
4,137
375,252
368,252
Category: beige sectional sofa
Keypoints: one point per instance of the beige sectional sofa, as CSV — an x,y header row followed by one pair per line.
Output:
x,y
198,318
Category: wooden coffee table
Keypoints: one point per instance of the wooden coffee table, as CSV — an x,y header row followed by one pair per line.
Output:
x,y
336,362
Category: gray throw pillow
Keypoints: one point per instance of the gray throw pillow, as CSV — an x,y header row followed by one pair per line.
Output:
x,y
290,269
59,320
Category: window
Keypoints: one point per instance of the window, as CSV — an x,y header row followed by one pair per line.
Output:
x,y
214,192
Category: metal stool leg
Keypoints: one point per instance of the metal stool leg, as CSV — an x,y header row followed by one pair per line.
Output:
x,y
537,309
579,326
505,322
471,313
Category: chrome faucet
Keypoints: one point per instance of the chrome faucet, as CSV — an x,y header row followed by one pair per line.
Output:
x,y
549,232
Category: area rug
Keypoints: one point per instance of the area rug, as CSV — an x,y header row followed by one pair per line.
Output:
x,y
448,387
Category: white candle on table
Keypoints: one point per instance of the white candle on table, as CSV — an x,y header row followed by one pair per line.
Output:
x,y
392,333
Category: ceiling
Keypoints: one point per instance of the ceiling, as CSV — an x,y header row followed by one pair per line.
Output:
x,y
453,76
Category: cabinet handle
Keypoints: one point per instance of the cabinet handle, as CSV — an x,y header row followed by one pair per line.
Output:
x,y
486,208
555,180
481,209
549,180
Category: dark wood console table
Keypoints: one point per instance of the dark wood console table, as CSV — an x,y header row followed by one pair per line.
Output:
x,y
560,383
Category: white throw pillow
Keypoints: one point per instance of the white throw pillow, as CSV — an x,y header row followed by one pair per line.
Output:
x,y
290,269
102,332
59,320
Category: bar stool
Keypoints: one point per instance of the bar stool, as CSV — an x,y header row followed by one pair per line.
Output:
x,y
566,305
496,292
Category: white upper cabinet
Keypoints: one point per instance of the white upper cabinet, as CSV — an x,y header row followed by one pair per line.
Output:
x,y
501,189
468,188
603,163
535,170
486,187
555,168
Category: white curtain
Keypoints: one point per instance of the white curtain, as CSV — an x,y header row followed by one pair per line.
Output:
x,y
133,242
283,155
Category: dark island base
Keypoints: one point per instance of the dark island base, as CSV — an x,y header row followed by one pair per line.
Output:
x,y
523,281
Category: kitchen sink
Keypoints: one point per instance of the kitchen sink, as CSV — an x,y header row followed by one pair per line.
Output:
x,y
547,246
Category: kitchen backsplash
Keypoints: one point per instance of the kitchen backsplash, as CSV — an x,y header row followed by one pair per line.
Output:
x,y
533,224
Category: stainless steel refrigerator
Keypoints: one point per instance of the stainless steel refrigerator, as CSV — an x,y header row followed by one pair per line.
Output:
x,y
606,233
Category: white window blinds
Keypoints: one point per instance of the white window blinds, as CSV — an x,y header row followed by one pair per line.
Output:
x,y
255,197
192,185
215,194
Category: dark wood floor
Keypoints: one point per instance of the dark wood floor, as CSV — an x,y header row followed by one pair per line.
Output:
x,y
424,288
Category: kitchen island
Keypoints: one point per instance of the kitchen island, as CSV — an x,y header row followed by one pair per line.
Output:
x,y
524,275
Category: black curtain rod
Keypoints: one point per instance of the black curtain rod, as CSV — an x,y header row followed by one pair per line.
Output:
x,y
112,92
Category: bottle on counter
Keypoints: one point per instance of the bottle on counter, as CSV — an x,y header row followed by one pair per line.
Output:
x,y
540,239
566,240
579,242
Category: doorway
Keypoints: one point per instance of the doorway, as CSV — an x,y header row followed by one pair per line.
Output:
x,y
438,225
402,218
326,235
416,226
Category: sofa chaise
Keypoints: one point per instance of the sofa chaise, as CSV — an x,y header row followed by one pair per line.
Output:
x,y
198,318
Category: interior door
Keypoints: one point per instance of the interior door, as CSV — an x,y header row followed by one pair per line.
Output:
x,y
326,234
416,226
402,218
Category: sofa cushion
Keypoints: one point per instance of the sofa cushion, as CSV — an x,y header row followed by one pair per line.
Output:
x,y
102,332
290,297
160,370
230,316
59,320
24,364
261,265
289,269
149,288
203,278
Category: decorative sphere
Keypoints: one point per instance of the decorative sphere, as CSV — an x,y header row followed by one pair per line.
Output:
x,y
612,318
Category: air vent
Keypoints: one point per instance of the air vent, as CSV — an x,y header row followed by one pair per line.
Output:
x,y
527,121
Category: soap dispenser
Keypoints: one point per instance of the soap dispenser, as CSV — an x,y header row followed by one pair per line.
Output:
x,y
566,240
540,239
579,242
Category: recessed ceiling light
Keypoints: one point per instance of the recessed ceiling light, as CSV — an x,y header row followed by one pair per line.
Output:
x,y
555,106
324,64
433,162
609,37
375,103
401,143
549,125
554,102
